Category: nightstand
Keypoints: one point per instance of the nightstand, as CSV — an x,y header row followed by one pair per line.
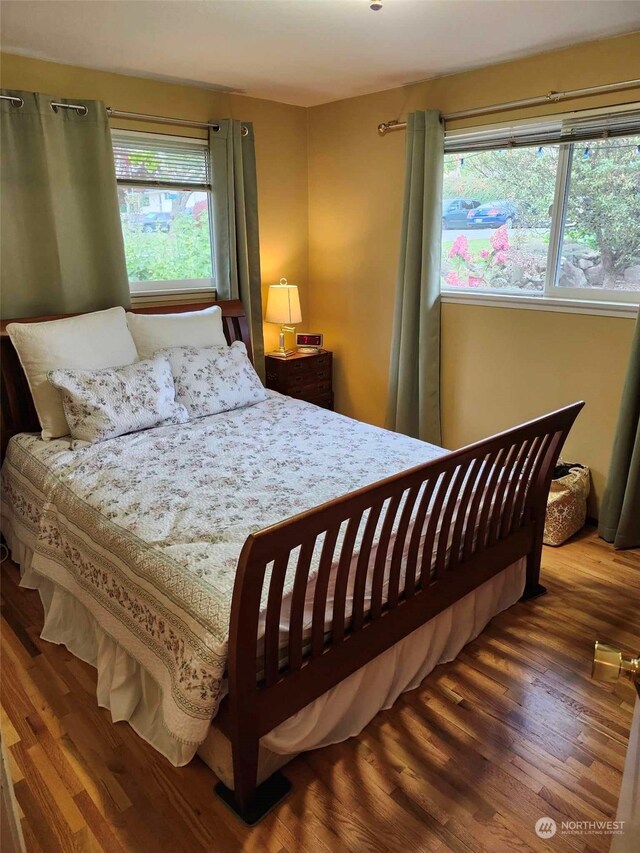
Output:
x,y
305,376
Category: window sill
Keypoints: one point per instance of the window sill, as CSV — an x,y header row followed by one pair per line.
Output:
x,y
542,303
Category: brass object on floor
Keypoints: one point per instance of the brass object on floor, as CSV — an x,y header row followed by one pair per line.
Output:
x,y
609,664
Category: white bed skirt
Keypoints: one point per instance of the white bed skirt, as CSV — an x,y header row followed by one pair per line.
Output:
x,y
131,694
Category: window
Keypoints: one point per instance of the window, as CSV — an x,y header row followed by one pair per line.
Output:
x,y
544,210
600,232
164,193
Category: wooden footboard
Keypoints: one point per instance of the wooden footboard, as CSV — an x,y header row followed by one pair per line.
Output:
x,y
410,546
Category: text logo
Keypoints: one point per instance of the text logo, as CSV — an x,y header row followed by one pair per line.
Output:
x,y
546,827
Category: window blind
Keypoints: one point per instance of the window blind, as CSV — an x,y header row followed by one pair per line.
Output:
x,y
148,159
545,132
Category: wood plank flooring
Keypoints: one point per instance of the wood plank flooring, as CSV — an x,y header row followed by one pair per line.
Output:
x,y
511,731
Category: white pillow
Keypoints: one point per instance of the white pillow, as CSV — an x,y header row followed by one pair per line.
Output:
x,y
153,332
89,341
102,404
210,380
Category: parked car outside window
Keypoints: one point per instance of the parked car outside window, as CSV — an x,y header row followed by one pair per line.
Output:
x,y
156,221
492,214
455,210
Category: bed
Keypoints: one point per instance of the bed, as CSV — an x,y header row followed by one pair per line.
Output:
x,y
259,567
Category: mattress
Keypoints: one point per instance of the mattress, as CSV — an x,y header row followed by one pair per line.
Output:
x,y
144,532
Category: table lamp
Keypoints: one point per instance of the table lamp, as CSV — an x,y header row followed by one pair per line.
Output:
x,y
283,308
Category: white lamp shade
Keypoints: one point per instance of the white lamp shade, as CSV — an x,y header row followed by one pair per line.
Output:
x,y
283,304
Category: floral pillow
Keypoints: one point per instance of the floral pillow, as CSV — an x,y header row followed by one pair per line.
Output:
x,y
101,404
210,380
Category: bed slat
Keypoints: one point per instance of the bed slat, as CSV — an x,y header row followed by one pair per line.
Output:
x,y
462,515
398,546
509,483
416,536
272,626
476,502
525,483
363,566
546,451
513,487
380,564
426,560
487,501
452,503
296,614
322,586
501,488
342,578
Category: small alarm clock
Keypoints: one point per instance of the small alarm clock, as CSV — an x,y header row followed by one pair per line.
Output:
x,y
309,342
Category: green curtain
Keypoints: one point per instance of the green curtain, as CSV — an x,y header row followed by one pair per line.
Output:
x,y
235,223
620,511
61,242
414,375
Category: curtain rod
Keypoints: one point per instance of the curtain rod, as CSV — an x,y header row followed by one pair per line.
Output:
x,y
81,109
554,97
182,122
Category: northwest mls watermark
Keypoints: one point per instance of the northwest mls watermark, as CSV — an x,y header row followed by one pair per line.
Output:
x,y
547,827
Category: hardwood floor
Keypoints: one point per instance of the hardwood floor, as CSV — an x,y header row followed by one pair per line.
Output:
x,y
511,731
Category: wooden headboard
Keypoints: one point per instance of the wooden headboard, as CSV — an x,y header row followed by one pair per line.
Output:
x,y
18,412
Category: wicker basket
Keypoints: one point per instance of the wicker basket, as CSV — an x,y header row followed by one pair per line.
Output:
x,y
567,502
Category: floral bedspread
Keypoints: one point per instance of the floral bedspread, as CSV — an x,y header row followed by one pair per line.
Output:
x,y
146,529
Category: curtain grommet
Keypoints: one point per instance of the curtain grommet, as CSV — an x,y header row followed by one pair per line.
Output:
x,y
244,131
80,109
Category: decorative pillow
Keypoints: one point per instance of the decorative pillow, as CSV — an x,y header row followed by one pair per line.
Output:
x,y
87,342
210,380
153,332
101,404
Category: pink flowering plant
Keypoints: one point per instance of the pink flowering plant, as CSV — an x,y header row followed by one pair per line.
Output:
x,y
460,248
479,270
500,240
503,265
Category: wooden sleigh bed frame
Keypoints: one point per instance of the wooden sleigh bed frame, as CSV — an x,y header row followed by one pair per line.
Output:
x,y
488,504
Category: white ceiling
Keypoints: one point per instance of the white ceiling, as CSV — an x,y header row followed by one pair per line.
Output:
x,y
302,52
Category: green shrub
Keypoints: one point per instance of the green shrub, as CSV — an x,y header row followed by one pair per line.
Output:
x,y
181,253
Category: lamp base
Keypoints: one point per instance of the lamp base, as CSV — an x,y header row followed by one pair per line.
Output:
x,y
282,353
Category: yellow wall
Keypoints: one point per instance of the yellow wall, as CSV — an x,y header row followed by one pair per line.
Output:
x,y
500,366
281,147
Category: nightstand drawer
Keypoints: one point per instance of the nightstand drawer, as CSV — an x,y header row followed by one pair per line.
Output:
x,y
300,372
272,377
323,359
322,373
297,367
306,392
307,381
